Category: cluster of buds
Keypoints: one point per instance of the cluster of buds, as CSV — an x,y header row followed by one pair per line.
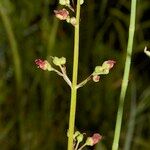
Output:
x,y
99,70
102,70
60,62
90,141
45,65
63,14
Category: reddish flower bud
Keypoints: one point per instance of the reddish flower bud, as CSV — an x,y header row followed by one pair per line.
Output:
x,y
109,63
43,64
94,139
61,14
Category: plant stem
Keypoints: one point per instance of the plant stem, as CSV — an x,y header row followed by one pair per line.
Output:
x,y
13,45
74,80
82,146
125,76
84,81
18,72
63,69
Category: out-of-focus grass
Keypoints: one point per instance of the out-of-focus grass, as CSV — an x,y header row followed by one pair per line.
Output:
x,y
45,97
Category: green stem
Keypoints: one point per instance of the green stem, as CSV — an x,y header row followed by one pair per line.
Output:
x,y
18,71
82,146
74,80
13,45
125,76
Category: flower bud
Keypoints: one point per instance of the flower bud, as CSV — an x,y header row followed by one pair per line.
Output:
x,y
59,61
100,70
61,14
81,2
43,64
76,134
108,64
146,51
64,2
80,138
73,21
96,78
93,140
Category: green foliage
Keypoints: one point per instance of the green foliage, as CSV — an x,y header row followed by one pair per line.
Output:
x,y
37,118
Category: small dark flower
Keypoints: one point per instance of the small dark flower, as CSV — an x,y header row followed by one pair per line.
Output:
x,y
62,14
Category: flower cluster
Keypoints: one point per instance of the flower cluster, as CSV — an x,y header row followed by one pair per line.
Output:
x,y
60,62
63,14
89,141
103,69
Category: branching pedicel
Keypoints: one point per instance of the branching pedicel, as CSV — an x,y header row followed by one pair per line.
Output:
x,y
60,62
74,139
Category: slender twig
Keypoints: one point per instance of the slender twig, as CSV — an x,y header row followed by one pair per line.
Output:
x,y
125,76
63,69
84,81
58,72
82,146
77,145
74,80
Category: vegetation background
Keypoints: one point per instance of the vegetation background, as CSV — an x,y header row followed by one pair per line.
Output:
x,y
34,105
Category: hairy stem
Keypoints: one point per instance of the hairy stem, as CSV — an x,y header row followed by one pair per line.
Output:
x,y
125,76
74,80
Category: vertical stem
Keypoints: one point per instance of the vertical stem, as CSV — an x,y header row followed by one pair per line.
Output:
x,y
125,76
13,45
132,117
17,69
74,80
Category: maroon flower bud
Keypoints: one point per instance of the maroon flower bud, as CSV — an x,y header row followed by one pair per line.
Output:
x,y
61,14
43,64
94,139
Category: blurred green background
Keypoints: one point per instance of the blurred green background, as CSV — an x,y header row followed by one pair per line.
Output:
x,y
34,105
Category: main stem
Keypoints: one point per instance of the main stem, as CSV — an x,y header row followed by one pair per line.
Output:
x,y
125,76
74,80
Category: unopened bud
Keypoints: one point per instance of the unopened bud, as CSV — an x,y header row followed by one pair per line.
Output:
x,y
61,14
93,140
96,78
43,64
64,2
59,61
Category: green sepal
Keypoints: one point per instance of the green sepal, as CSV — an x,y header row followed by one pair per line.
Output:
x,y
59,61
